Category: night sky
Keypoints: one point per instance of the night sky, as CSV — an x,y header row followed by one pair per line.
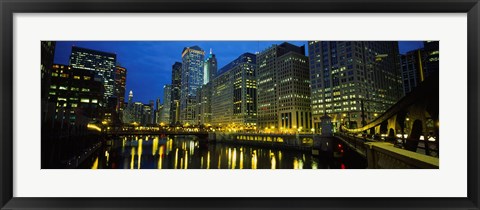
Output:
x,y
149,63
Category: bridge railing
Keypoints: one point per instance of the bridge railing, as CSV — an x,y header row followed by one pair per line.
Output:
x,y
355,142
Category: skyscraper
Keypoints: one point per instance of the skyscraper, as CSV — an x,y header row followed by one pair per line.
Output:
x,y
283,88
234,94
353,81
120,82
192,79
176,84
128,115
77,95
47,56
419,64
103,64
167,97
210,68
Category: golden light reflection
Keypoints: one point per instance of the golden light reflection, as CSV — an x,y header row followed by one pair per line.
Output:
x,y
107,155
295,163
208,160
254,160
229,155
176,158
160,158
169,145
314,165
192,147
155,146
132,161
124,141
241,159
273,161
95,164
139,152
234,158
219,161
186,161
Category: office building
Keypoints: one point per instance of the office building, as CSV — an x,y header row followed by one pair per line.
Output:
x,y
210,68
176,84
353,81
77,96
192,79
283,89
167,103
120,83
46,63
419,64
103,64
234,92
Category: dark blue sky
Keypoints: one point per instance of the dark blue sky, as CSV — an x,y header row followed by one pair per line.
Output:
x,y
149,63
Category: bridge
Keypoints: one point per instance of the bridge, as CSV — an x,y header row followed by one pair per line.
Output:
x,y
412,123
200,134
405,136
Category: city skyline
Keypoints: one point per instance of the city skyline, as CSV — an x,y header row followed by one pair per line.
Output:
x,y
321,99
149,62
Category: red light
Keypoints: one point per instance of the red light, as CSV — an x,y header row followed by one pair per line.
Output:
x,y
342,166
339,146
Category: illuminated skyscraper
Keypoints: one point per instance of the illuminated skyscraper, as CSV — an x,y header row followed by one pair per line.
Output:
x,y
120,82
283,88
77,95
103,64
210,68
353,81
192,79
176,84
234,94
167,97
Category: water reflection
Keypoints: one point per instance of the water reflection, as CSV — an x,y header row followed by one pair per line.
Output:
x,y
154,152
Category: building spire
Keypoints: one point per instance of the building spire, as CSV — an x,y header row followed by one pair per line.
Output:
x,y
211,51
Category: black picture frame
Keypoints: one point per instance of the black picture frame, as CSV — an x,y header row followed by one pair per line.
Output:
x,y
10,7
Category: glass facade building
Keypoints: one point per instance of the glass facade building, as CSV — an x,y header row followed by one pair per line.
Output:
x,y
103,64
210,68
192,79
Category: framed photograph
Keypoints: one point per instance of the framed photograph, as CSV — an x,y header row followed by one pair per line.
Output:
x,y
208,104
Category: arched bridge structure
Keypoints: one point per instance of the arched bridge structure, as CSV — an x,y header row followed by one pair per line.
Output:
x,y
414,118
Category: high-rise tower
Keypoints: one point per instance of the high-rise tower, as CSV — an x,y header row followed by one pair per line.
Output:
x,y
192,79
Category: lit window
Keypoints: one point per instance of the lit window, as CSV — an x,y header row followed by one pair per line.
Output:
x,y
53,86
85,90
76,77
62,88
74,105
85,100
94,101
